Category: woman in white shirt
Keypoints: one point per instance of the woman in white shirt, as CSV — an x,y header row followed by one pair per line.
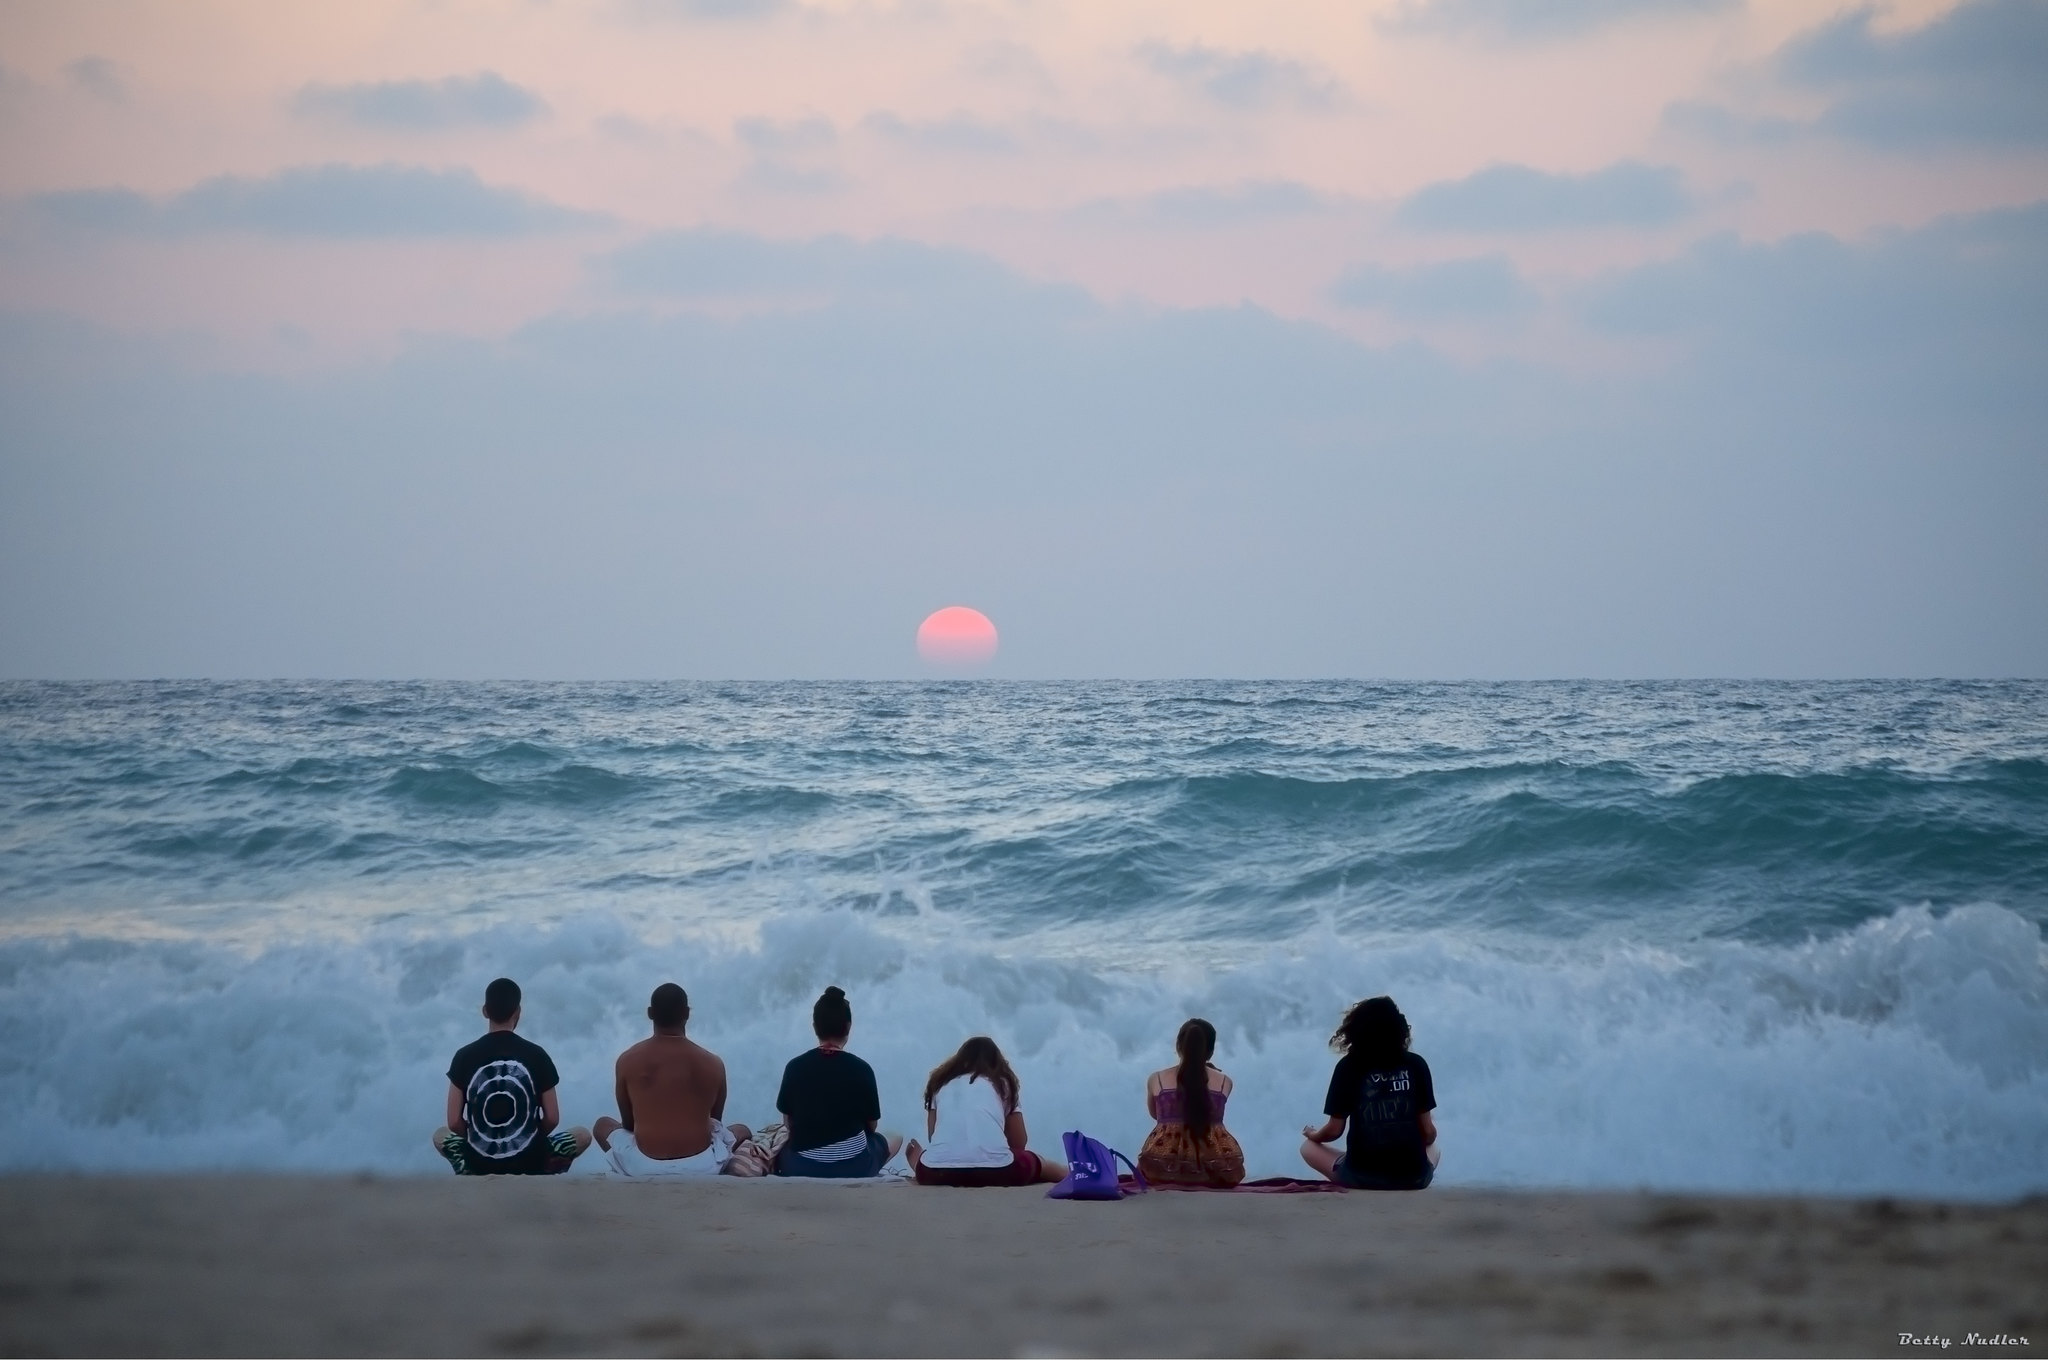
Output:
x,y
977,1131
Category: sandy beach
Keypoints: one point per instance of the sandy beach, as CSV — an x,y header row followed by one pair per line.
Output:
x,y
251,1265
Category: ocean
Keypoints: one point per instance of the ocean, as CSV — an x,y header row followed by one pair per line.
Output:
x,y
1744,936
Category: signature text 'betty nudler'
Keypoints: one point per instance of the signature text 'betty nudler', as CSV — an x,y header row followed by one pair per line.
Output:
x,y
1969,1339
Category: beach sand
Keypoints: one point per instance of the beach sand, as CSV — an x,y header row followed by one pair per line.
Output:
x,y
273,1265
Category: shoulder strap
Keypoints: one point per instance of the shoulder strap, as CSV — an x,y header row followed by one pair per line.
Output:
x,y
1136,1174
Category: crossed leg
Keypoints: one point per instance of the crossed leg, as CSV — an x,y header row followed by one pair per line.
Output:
x,y
1322,1157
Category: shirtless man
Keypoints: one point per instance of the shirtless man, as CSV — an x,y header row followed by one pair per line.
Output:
x,y
671,1101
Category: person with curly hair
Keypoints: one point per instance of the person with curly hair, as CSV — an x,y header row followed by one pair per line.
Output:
x,y
1385,1094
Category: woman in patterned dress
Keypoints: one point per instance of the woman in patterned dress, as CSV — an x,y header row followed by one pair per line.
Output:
x,y
1188,1144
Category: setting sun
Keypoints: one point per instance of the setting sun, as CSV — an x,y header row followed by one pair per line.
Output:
x,y
957,638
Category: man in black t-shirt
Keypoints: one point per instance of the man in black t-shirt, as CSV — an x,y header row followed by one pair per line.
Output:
x,y
502,1111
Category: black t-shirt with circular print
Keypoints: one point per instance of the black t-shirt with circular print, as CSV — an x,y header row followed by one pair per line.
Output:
x,y
502,1078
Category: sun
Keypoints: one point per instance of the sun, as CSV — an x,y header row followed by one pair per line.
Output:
x,y
957,638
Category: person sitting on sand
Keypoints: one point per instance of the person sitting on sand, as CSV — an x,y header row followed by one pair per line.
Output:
x,y
671,1093
977,1130
1188,1144
829,1104
502,1111
1386,1094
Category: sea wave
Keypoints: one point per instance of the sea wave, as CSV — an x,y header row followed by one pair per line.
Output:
x,y
1549,847
1909,1055
1716,934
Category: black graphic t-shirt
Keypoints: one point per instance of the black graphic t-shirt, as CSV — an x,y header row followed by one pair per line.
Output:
x,y
1384,1102
828,1097
502,1078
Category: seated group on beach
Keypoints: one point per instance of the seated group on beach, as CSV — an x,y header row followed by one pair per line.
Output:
x,y
504,1118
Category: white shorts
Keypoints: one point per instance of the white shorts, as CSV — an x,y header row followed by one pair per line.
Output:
x,y
627,1159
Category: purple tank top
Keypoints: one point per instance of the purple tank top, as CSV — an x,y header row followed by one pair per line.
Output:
x,y
1168,1105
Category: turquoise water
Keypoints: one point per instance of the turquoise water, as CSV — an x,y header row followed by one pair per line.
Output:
x,y
1712,935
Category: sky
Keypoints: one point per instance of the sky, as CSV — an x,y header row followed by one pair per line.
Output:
x,y
710,339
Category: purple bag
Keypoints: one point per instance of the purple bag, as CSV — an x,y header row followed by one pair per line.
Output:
x,y
1091,1170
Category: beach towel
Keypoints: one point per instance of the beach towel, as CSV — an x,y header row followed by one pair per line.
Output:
x,y
756,1156
1271,1185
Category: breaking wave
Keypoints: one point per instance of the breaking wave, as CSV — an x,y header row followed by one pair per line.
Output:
x,y
1907,1056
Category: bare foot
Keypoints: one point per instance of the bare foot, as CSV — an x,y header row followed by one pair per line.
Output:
x,y
913,1152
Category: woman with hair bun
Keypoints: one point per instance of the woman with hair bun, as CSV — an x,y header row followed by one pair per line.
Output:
x,y
829,1104
1385,1094
1188,1144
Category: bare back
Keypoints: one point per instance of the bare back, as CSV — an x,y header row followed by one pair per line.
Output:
x,y
670,1089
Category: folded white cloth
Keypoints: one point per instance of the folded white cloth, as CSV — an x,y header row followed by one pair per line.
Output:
x,y
627,1159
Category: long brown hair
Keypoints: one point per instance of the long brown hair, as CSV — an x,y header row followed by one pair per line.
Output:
x,y
978,1057
1196,1044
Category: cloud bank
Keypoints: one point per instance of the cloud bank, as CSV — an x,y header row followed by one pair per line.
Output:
x,y
486,99
1211,205
959,134
99,78
1516,198
1537,20
713,11
1970,78
341,201
1979,73
1243,80
709,264
1483,286
1827,464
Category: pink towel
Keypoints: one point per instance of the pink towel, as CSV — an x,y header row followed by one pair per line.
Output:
x,y
1271,1185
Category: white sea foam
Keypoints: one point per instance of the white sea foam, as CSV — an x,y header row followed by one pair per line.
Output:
x,y
1908,1056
